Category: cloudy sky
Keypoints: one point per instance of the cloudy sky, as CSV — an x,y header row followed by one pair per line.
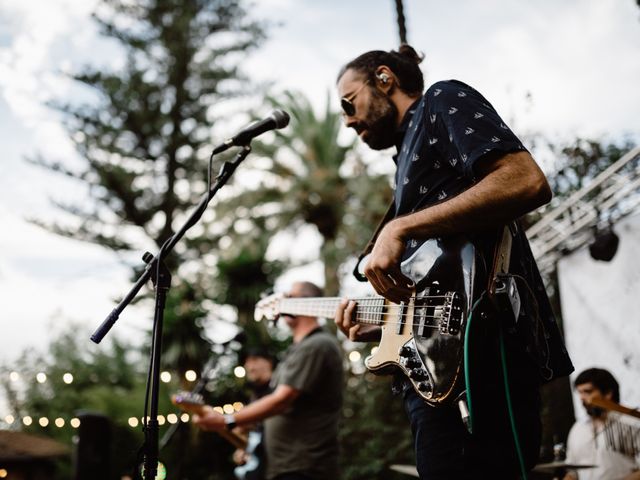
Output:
x,y
563,69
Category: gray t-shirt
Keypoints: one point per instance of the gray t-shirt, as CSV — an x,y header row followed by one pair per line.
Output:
x,y
305,438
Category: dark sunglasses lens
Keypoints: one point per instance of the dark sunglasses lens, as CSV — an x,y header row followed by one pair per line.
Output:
x,y
347,107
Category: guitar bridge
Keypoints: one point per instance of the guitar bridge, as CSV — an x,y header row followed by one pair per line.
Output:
x,y
449,315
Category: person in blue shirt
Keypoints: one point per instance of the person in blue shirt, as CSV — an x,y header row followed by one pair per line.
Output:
x,y
459,170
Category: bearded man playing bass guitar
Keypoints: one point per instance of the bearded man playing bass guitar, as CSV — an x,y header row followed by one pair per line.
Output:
x,y
461,173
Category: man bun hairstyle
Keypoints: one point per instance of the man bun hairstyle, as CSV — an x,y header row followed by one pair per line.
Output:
x,y
403,63
602,380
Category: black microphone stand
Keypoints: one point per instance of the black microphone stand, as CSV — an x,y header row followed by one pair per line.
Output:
x,y
162,282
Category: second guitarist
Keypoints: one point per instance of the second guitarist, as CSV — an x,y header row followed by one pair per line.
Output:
x,y
301,414
258,365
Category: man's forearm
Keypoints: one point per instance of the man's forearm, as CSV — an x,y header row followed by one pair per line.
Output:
x,y
269,405
509,187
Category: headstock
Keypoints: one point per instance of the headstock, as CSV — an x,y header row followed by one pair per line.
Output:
x,y
188,402
268,307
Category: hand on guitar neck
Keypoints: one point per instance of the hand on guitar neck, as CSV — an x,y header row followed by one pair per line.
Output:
x,y
207,418
356,332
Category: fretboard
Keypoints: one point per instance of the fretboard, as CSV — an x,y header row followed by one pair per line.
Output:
x,y
368,310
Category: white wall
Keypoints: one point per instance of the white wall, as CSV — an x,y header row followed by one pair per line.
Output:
x,y
600,306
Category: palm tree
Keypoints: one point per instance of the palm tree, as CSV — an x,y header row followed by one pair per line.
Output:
x,y
307,177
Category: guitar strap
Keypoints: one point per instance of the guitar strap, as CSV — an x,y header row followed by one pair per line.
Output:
x,y
369,246
501,289
501,254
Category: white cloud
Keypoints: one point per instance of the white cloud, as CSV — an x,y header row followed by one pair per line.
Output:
x,y
51,280
30,64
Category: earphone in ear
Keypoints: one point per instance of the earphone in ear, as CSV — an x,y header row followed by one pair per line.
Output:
x,y
383,77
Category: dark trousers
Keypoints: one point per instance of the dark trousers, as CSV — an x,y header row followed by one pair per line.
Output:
x,y
446,451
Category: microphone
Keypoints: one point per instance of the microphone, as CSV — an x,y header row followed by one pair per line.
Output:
x,y
277,119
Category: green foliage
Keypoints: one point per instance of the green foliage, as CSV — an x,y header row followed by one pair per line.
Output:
x,y
307,177
580,161
375,432
142,138
106,380
184,345
144,133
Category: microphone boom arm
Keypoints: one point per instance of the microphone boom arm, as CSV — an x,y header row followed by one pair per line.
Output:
x,y
226,170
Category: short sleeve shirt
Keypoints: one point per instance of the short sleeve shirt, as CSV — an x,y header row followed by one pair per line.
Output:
x,y
442,138
304,439
446,132
613,449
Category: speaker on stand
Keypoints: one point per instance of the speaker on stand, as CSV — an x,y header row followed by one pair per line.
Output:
x,y
92,452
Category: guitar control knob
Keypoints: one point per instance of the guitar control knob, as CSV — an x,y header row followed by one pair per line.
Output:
x,y
424,386
406,351
413,362
417,374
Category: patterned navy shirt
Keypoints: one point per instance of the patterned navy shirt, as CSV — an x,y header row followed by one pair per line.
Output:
x,y
442,137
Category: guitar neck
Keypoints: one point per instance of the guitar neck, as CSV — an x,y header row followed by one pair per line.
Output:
x,y
611,405
233,438
368,309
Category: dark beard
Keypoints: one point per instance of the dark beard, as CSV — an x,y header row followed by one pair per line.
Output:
x,y
594,412
380,123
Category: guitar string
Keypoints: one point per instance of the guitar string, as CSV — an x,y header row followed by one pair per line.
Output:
x,y
361,307
399,321
395,318
339,299
360,312
362,316
365,309
413,324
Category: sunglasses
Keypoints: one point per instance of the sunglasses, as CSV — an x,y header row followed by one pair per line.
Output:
x,y
348,108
